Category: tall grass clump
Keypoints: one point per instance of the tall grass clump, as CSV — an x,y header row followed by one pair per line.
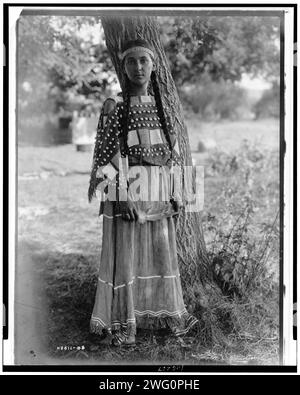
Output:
x,y
240,299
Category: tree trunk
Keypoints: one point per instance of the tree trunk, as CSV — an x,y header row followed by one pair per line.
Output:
x,y
196,274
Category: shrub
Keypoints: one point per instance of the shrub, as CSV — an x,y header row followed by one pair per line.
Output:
x,y
215,100
268,105
241,227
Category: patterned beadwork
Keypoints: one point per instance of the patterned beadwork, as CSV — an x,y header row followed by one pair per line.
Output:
x,y
146,137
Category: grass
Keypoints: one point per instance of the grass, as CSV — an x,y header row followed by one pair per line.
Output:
x,y
62,233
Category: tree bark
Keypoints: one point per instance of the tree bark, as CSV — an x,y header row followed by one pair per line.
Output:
x,y
193,258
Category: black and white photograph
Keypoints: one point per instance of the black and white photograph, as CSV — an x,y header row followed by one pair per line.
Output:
x,y
147,154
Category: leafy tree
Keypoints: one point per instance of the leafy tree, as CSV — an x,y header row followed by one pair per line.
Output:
x,y
65,59
65,54
224,47
268,104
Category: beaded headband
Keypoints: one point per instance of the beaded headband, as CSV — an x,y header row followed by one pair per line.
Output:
x,y
138,48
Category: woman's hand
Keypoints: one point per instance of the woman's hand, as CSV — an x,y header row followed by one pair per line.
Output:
x,y
128,210
177,205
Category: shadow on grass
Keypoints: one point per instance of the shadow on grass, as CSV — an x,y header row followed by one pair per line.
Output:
x,y
67,285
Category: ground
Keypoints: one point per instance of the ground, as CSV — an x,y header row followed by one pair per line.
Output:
x,y
59,244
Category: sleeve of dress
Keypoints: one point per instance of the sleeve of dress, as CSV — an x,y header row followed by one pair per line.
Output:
x,y
110,165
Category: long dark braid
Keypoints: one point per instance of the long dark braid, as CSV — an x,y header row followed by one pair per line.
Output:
x,y
125,119
160,108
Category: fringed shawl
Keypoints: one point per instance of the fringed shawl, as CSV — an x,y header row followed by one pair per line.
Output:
x,y
107,150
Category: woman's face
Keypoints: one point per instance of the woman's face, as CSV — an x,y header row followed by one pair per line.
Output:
x,y
138,67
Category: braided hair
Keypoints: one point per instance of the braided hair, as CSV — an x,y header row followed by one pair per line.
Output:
x,y
125,118
160,108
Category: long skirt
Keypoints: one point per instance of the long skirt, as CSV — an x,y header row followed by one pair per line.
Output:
x,y
139,281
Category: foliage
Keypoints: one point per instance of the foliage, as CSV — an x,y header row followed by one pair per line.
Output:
x,y
268,105
66,62
215,100
224,47
68,54
242,243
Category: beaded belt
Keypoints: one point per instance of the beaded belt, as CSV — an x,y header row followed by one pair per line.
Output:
x,y
145,137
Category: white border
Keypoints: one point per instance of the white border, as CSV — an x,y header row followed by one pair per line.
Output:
x,y
289,345
8,345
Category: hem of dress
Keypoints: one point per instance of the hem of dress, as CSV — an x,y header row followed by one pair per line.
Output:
x,y
179,326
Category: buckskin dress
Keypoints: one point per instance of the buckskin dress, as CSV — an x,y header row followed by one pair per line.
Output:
x,y
138,281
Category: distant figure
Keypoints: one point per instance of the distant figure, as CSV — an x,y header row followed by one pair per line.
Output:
x,y
206,144
84,126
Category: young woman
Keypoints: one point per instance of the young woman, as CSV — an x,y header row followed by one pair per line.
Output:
x,y
139,281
